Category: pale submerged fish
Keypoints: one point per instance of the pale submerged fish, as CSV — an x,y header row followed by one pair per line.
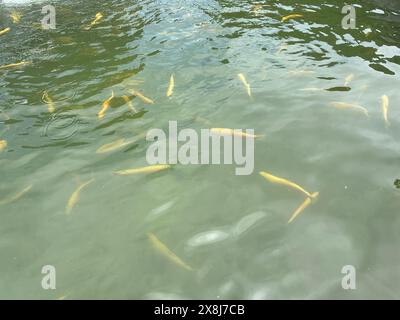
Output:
x,y
233,132
207,238
142,97
348,79
247,222
148,169
385,109
108,147
16,196
245,83
164,250
349,106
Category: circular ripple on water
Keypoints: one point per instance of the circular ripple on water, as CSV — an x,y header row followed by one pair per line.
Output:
x,y
61,126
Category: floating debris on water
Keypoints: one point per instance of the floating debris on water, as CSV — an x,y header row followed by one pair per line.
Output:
x,y
148,169
165,251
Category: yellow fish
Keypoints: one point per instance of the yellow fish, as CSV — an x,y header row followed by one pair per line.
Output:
x,y
291,16
111,146
4,31
75,197
232,132
13,65
245,83
385,109
148,169
142,97
50,104
303,206
285,182
3,145
129,102
171,86
106,105
15,16
97,19
348,79
165,251
256,8
16,196
345,105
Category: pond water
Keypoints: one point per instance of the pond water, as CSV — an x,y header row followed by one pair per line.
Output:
x,y
231,230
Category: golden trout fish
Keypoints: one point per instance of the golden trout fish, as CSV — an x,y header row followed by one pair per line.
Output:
x,y
245,83
232,132
165,251
385,109
148,169
111,146
49,101
3,145
15,16
291,16
282,181
13,65
303,206
106,105
129,102
97,19
75,197
16,196
345,105
4,31
142,97
171,86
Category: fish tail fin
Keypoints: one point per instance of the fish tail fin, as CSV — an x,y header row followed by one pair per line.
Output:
x,y
314,195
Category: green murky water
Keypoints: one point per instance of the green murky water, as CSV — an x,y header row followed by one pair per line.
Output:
x,y
232,230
